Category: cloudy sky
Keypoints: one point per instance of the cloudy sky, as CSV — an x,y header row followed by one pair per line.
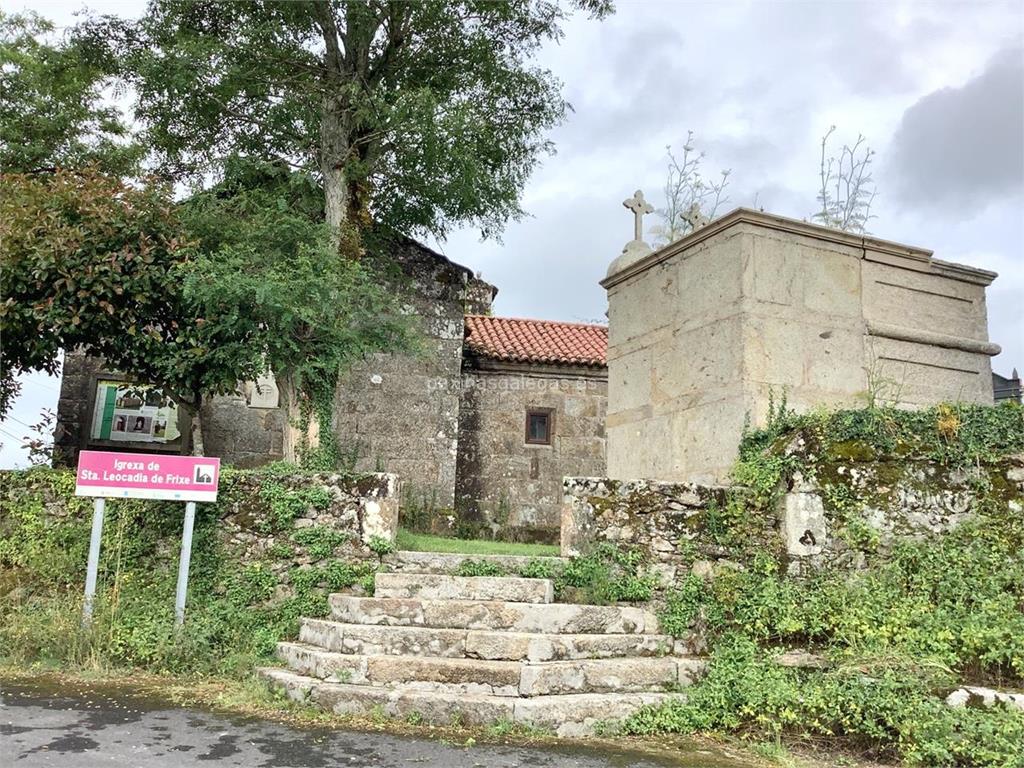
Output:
x,y
936,87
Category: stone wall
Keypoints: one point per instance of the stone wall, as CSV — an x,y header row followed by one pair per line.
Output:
x,y
702,331
846,508
242,435
506,487
671,522
280,522
830,518
345,512
74,406
400,413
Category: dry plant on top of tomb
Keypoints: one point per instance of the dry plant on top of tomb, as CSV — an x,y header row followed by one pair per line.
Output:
x,y
691,200
847,188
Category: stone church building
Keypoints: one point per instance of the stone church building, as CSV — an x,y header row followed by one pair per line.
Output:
x,y
481,424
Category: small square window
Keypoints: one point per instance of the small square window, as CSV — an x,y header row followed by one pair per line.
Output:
x,y
540,423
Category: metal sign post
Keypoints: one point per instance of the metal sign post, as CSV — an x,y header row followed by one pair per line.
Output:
x,y
183,563
92,569
106,474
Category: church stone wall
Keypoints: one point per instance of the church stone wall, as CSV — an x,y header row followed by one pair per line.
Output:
x,y
394,413
400,413
510,489
242,435
704,331
74,406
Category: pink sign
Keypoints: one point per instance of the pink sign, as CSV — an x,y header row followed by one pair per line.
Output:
x,y
147,476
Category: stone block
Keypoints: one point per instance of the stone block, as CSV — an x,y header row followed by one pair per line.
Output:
x,y
383,640
575,715
598,676
804,527
443,587
538,647
516,617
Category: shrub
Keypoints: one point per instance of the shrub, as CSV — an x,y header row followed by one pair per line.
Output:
x,y
479,568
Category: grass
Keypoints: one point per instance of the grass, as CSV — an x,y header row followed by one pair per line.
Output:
x,y
422,542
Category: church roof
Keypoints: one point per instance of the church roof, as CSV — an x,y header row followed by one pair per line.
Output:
x,y
536,341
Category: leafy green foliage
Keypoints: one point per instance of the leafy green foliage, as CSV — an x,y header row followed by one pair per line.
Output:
x,y
86,260
479,568
608,574
380,546
52,110
319,541
271,291
889,708
953,434
235,613
286,504
538,569
421,115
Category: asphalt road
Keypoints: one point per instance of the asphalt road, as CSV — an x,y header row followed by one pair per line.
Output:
x,y
80,729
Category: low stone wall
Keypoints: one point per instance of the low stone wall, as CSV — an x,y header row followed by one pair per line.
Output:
x,y
845,507
330,514
674,523
284,523
833,515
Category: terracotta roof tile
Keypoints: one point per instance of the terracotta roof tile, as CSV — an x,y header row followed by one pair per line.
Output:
x,y
536,341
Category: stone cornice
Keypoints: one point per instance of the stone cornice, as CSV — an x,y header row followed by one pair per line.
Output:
x,y
887,251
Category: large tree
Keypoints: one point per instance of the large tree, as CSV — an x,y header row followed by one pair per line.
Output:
x,y
191,296
417,115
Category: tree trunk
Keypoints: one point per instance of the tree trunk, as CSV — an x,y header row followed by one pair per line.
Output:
x,y
333,151
297,435
196,430
334,134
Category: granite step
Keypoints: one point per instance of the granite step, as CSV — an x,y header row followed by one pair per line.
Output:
x,y
552,618
565,715
467,676
496,645
442,587
497,678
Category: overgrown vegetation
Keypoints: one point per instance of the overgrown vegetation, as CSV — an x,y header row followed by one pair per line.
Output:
x,y
606,574
236,611
889,639
894,636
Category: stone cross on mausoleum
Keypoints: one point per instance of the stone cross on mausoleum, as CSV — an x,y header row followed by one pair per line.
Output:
x,y
639,207
636,248
694,217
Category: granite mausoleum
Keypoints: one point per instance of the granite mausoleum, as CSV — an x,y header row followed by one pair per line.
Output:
x,y
704,330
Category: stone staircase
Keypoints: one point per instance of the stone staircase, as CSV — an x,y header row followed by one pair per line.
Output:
x,y
476,650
